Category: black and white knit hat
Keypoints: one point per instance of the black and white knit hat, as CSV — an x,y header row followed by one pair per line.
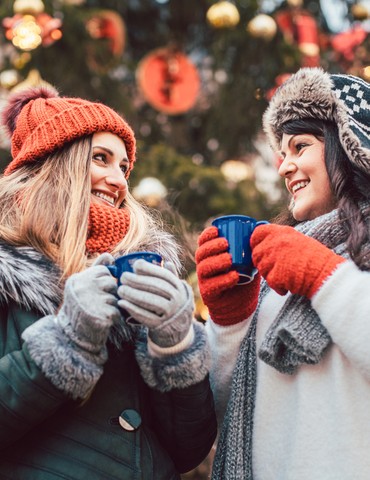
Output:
x,y
313,93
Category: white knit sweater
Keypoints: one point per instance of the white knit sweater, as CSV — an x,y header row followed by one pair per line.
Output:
x,y
314,424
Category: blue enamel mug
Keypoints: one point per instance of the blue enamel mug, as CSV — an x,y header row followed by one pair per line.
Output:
x,y
125,262
237,229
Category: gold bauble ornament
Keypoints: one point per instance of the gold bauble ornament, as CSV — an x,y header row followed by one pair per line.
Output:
x,y
33,79
359,11
223,15
74,2
8,78
366,73
236,170
295,3
309,49
262,26
33,7
151,191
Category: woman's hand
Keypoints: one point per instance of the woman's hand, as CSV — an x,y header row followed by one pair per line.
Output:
x,y
89,308
158,299
291,261
228,303
70,347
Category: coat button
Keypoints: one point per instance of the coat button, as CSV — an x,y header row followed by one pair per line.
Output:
x,y
129,420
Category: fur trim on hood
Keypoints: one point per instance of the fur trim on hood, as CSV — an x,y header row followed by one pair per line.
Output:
x,y
32,281
29,279
313,93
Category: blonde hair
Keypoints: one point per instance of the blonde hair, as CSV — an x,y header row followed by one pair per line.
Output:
x,y
45,205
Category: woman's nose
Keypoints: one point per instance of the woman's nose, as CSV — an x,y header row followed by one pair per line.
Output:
x,y
117,178
287,167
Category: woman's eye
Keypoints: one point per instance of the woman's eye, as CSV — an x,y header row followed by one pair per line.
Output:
x,y
300,146
100,157
124,168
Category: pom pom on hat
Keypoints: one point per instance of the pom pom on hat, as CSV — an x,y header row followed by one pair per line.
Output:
x,y
17,102
39,122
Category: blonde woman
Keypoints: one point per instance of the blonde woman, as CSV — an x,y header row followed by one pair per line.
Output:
x,y
83,393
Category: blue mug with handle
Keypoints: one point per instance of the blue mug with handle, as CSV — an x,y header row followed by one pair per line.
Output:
x,y
237,229
125,262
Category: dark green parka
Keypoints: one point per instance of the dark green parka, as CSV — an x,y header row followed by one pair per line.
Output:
x,y
126,429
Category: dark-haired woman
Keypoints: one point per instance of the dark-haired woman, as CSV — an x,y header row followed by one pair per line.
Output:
x,y
291,366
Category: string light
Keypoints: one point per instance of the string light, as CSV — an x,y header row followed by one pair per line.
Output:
x,y
25,33
30,26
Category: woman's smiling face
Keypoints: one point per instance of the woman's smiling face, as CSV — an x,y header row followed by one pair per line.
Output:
x,y
306,178
109,165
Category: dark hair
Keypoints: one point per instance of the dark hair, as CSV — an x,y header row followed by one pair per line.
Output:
x,y
350,185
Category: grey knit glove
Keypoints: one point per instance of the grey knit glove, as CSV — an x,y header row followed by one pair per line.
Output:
x,y
89,308
158,299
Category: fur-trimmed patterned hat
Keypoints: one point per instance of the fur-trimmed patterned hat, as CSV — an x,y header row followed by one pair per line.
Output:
x,y
313,93
39,121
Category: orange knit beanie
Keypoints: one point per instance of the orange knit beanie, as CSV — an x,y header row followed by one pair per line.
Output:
x,y
39,122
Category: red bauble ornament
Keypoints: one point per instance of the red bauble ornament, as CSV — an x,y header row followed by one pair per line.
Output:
x,y
169,81
300,27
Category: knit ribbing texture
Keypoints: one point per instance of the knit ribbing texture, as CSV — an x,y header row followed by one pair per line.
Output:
x,y
107,227
228,303
48,122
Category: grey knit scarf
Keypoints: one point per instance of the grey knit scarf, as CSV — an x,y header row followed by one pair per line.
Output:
x,y
296,336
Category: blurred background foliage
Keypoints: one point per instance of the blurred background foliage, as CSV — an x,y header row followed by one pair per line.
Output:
x,y
211,158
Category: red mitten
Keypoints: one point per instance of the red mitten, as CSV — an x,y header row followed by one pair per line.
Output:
x,y
227,302
291,261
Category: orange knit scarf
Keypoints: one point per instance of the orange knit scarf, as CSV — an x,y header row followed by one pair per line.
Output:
x,y
107,227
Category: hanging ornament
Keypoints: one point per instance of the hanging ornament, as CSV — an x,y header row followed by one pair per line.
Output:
x,y
151,191
295,3
359,12
168,80
30,26
109,25
236,171
345,42
366,73
299,27
8,79
262,26
75,3
307,35
50,29
23,31
108,31
33,79
32,7
223,15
